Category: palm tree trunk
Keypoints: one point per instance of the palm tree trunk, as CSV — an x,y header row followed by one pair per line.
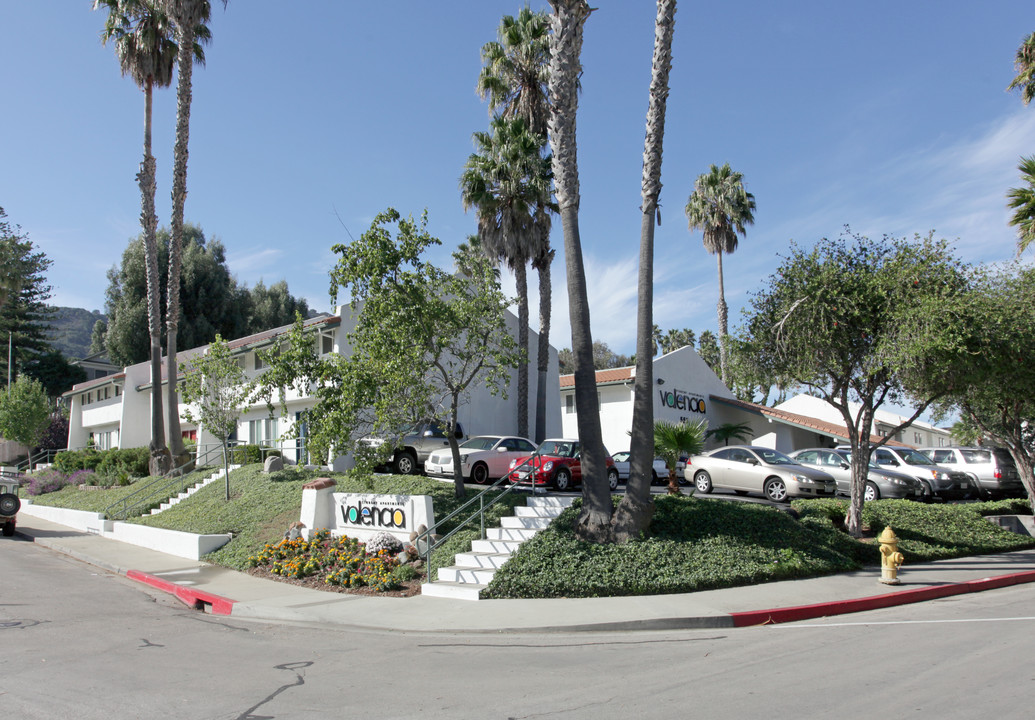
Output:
x,y
159,453
543,359
637,507
569,16
723,312
179,197
521,276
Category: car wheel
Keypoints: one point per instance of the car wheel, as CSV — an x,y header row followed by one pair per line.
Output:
x,y
776,490
928,493
405,463
562,480
8,529
871,492
612,479
9,504
703,482
480,473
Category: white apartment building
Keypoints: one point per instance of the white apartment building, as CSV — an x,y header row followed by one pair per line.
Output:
x,y
115,411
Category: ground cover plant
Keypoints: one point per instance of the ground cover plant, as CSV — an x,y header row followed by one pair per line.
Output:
x,y
701,544
70,492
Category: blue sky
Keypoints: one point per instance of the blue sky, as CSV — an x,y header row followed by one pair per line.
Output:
x,y
890,117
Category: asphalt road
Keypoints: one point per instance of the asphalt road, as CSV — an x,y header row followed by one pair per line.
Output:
x,y
82,643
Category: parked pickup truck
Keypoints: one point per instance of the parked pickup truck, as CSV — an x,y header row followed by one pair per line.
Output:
x,y
415,445
9,503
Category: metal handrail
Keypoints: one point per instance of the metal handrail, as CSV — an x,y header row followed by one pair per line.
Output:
x,y
158,487
35,458
427,537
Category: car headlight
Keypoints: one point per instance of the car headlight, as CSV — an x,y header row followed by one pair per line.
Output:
x,y
939,475
548,465
804,480
465,460
513,464
897,481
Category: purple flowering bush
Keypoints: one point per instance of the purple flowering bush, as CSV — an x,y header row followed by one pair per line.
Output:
x,y
50,480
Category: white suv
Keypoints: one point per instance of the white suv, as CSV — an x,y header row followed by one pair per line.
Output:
x,y
992,470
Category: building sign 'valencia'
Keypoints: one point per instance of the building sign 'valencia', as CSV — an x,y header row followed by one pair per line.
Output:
x,y
682,401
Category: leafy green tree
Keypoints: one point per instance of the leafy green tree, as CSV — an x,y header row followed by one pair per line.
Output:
x,y
567,20
24,313
966,432
54,372
708,349
146,50
212,302
720,207
215,392
100,329
831,319
675,440
983,341
186,15
24,411
730,431
272,307
1024,66
422,339
1022,200
632,518
514,78
507,181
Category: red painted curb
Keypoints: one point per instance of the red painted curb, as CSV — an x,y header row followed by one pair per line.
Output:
x,y
875,602
197,599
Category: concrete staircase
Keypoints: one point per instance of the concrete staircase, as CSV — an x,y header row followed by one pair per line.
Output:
x,y
472,571
218,475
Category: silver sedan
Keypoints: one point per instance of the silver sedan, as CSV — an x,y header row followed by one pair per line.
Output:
x,y
744,469
880,482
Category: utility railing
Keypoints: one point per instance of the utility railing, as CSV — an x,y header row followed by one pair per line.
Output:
x,y
425,543
164,486
43,456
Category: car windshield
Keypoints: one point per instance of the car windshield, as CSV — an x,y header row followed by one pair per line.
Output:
x,y
480,443
848,458
558,448
772,457
912,457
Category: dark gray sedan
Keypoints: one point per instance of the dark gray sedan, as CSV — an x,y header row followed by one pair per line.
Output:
x,y
880,482
748,468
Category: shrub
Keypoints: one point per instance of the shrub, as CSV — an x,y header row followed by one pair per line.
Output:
x,y
384,541
50,480
119,464
246,455
72,460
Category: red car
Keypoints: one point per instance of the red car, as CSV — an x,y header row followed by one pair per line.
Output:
x,y
556,464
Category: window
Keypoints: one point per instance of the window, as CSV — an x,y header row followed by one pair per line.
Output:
x,y
569,404
326,344
118,391
918,439
262,431
106,440
258,362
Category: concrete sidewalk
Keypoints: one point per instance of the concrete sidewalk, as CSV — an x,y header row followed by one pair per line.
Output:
x,y
228,592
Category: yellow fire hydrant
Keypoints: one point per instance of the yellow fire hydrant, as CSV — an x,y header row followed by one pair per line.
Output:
x,y
890,558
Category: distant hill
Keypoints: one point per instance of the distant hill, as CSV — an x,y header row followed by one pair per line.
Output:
x,y
70,330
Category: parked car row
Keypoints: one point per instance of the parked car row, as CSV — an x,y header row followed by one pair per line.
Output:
x,y
894,472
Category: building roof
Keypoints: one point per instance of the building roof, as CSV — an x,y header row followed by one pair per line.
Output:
x,y
835,430
611,376
239,345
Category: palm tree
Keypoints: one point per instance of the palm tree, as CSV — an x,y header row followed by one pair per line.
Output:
x,y
637,507
1022,200
147,51
508,182
1024,64
730,431
672,441
720,207
515,69
567,20
514,79
187,16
